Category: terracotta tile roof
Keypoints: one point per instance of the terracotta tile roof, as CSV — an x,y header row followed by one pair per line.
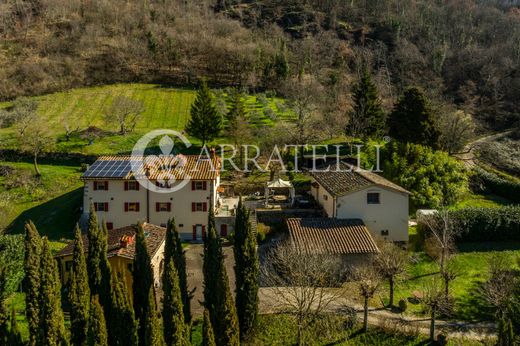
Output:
x,y
155,167
330,236
155,236
341,182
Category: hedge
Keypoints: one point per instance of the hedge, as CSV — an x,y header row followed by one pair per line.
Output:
x,y
497,185
487,224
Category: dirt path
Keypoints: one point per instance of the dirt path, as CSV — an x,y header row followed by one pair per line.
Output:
x,y
468,155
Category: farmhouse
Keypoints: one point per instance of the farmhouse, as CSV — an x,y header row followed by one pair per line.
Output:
x,y
180,186
349,193
121,251
347,238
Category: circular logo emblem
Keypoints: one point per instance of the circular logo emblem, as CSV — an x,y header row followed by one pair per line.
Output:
x,y
165,172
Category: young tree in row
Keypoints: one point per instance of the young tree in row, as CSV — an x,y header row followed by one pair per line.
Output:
x,y
79,293
122,323
433,300
125,112
221,306
205,123
412,120
32,262
97,331
367,117
97,262
144,295
368,281
238,127
246,271
208,337
174,328
52,323
391,262
173,250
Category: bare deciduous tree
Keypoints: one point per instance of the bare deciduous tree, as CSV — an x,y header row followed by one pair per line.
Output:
x,y
433,300
301,283
457,128
391,262
36,139
125,112
368,280
499,289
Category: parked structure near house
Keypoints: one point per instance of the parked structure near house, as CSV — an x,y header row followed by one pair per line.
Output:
x,y
348,193
121,252
120,199
347,238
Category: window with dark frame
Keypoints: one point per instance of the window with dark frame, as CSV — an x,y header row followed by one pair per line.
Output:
x,y
384,232
199,185
101,206
201,206
373,198
131,185
163,206
131,206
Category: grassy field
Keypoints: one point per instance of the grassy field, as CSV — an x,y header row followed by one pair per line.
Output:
x,y
165,108
471,199
52,202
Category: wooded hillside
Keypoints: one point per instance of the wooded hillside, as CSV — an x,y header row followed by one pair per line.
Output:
x,y
464,54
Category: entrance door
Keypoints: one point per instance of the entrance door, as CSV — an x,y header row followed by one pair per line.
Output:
x,y
223,230
199,232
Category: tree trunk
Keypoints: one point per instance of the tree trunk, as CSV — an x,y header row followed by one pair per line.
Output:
x,y
365,316
299,336
391,282
36,168
432,325
446,288
123,128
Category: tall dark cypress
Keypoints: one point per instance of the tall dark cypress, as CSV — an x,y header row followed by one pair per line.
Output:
x,y
173,249
217,294
52,322
4,314
97,332
246,271
175,330
144,295
208,337
97,262
33,249
15,336
122,323
79,293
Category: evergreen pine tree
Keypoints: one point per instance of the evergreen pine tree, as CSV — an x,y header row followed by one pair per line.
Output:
x,y
15,336
123,326
173,249
205,122
97,332
175,330
144,296
33,249
217,294
79,293
281,62
367,117
208,338
97,263
246,271
412,120
52,323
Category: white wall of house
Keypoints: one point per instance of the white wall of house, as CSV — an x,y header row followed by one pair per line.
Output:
x,y
390,214
181,205
324,198
158,265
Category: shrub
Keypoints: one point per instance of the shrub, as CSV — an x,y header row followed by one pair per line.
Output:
x,y
497,185
403,305
260,236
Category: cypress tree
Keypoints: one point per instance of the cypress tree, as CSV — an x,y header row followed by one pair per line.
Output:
x,y
205,123
15,336
412,120
173,249
144,296
175,331
33,249
97,332
97,262
4,315
79,293
367,117
246,271
208,338
217,294
123,326
52,323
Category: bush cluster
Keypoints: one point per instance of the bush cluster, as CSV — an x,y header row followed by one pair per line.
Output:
x,y
487,224
495,184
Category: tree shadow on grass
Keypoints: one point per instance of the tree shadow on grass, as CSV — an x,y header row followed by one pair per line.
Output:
x,y
55,218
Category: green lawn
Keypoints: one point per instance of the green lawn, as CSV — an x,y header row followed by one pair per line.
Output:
x,y
472,259
165,108
52,202
471,199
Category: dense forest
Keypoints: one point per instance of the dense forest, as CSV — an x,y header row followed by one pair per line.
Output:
x,y
465,54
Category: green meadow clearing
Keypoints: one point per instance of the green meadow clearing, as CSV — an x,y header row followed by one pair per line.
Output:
x,y
165,108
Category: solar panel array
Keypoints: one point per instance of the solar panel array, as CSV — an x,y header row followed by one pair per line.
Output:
x,y
108,169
